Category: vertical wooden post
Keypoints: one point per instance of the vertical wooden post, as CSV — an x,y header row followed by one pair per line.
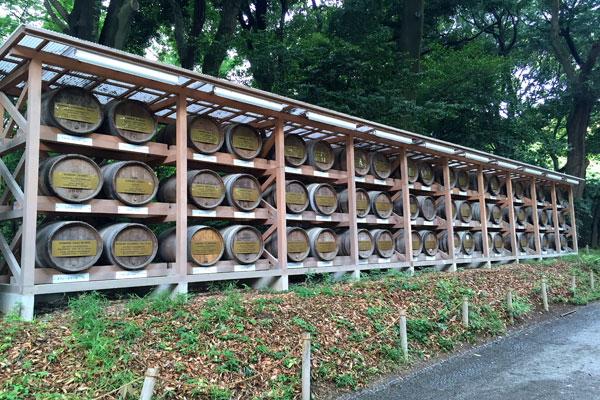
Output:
x,y
280,197
448,211
511,217
305,366
573,224
483,211
536,223
544,295
555,218
406,206
465,312
352,222
181,196
403,335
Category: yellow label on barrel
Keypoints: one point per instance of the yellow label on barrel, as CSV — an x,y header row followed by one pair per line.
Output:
x,y
74,112
206,191
133,123
494,184
456,242
416,245
133,248
498,241
467,243
462,179
426,173
134,186
296,247
204,136
293,151
382,206
430,244
496,213
325,247
246,247
465,211
412,172
364,245
360,163
74,180
385,245
245,142
74,248
295,198
413,208
321,157
205,248
381,166
361,204
243,194
325,201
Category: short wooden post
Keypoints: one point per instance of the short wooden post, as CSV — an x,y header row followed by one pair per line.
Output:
x,y
403,336
149,381
465,312
587,249
592,283
509,306
573,284
305,366
544,295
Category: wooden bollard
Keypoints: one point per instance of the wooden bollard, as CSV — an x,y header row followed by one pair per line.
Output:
x,y
149,381
587,249
403,336
509,306
305,366
573,284
544,295
592,283
465,312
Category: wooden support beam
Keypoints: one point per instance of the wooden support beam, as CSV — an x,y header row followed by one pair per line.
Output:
x,y
511,216
555,217
14,112
15,77
483,212
281,223
351,184
448,209
16,174
406,205
19,106
181,253
534,217
573,223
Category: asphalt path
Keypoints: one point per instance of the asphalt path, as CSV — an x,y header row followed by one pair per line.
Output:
x,y
556,359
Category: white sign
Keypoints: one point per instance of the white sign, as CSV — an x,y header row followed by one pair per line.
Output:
x,y
82,141
382,221
293,170
359,179
379,181
493,197
295,265
321,173
204,270
323,217
204,213
243,163
132,210
71,278
425,188
80,208
361,220
131,274
467,256
384,260
462,193
430,258
428,223
244,267
204,157
324,263
297,217
134,147
237,214
363,261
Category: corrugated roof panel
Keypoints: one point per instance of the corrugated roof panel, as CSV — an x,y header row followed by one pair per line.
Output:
x,y
30,41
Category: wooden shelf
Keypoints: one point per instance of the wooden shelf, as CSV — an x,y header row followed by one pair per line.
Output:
x,y
228,266
394,219
370,180
434,189
102,272
311,216
229,213
52,205
307,170
226,162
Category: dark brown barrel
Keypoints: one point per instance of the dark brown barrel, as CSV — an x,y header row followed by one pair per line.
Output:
x,y
366,244
130,120
381,204
439,176
71,109
465,211
324,243
361,160
417,243
478,240
426,175
520,215
320,154
521,241
298,244
563,242
430,243
531,241
462,180
68,246
323,198
294,150
495,213
544,241
494,186
414,205
243,141
205,245
243,243
441,209
542,217
384,242
476,212
70,177
380,165
363,204
562,219
128,245
474,182
498,242
131,182
518,190
204,134
413,170
552,241
296,196
205,189
443,243
427,207
242,191
467,242
541,192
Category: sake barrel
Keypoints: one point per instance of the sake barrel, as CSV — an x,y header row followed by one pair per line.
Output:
x,y
205,189
413,170
68,246
522,241
495,213
298,244
430,243
320,154
242,140
413,205
462,179
441,209
131,182
70,177
204,134
71,109
243,243
498,242
467,242
379,165
531,241
324,243
361,160
476,212
474,182
478,241
508,243
381,204
518,190
563,242
296,196
493,184
439,176
363,203
562,219
427,207
323,198
366,244
560,196
294,150
542,217
128,245
242,191
384,242
444,245
130,120
544,241
465,211
520,215
541,192
426,176
205,245
417,243
552,241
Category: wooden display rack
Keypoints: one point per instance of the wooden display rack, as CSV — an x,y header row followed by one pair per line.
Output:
x,y
34,60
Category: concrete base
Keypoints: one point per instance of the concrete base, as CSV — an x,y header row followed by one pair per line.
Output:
x,y
487,264
446,267
19,304
353,276
173,290
276,283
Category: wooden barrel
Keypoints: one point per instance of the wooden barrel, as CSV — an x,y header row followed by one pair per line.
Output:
x,y
131,182
563,242
130,120
242,191
541,192
243,243
363,203
70,177
68,246
380,165
204,134
426,176
444,245
427,207
478,240
320,154
476,212
384,242
497,242
518,190
205,245
242,140
494,186
413,205
465,211
413,170
560,196
542,217
417,243
467,242
495,213
323,198
294,150
474,182
462,179
361,160
441,209
521,242
128,245
430,243
381,204
544,241
296,196
520,215
324,243
298,244
531,241
71,109
205,189
439,176
366,244
562,219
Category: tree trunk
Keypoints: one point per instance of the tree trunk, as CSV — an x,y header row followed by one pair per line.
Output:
x,y
595,222
577,125
83,20
217,51
117,24
410,31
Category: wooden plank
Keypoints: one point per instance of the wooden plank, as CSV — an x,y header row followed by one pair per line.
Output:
x,y
10,145
352,221
482,212
406,205
10,259
448,207
20,103
11,183
511,216
181,184
14,112
555,218
536,223
573,223
281,222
